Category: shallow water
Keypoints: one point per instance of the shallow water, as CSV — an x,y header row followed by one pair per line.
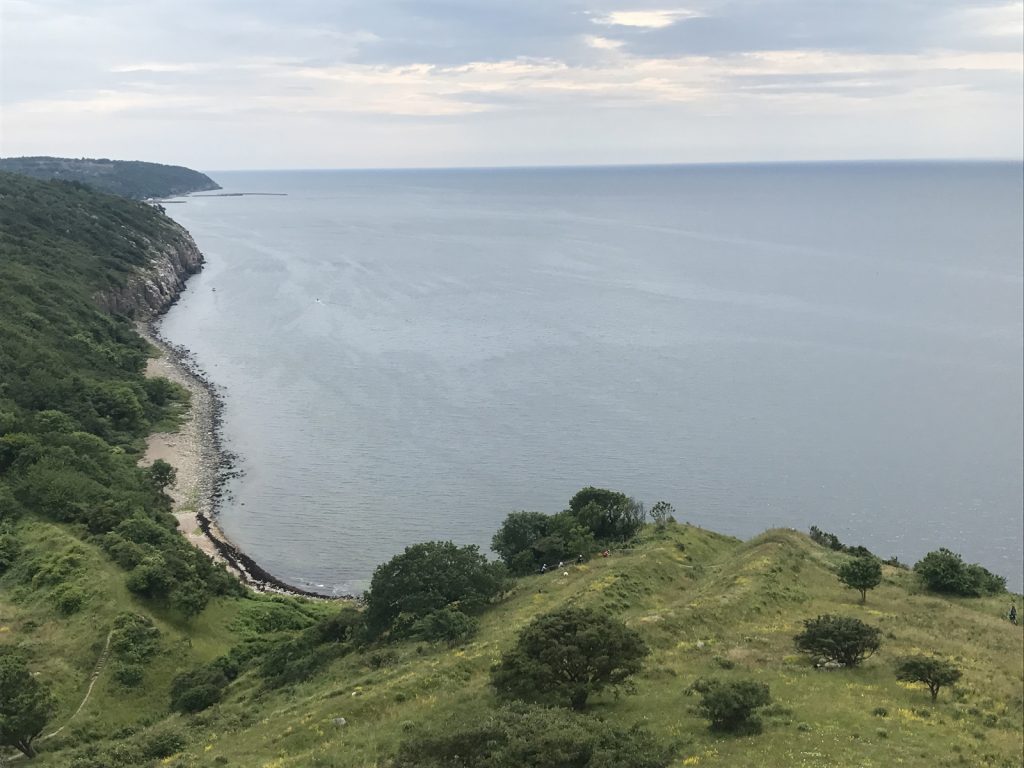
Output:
x,y
410,355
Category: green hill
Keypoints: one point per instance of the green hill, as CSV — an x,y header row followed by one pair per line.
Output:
x,y
127,178
109,608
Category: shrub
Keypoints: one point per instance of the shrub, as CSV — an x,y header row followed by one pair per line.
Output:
x,y
9,550
69,599
196,690
428,577
448,625
841,639
730,704
163,743
933,672
661,513
127,674
945,571
565,656
534,737
134,639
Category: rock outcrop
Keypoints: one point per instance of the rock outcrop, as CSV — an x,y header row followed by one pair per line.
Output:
x,y
152,289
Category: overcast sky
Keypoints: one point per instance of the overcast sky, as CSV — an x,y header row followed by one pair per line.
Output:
x,y
221,84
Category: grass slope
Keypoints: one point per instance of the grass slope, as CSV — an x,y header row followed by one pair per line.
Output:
x,y
707,605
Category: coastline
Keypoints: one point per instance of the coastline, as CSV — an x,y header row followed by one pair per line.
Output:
x,y
203,466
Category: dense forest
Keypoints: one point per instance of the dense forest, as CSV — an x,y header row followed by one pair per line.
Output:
x,y
127,178
606,634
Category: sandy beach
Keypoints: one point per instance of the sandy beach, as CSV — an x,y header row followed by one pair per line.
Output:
x,y
192,451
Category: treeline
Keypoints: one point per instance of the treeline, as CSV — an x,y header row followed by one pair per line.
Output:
x,y
75,406
127,178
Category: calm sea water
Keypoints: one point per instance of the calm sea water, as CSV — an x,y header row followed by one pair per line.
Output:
x,y
411,355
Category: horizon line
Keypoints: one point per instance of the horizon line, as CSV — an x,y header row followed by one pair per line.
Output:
x,y
597,166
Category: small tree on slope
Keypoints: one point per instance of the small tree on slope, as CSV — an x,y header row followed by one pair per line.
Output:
x,y
841,639
935,673
861,573
565,656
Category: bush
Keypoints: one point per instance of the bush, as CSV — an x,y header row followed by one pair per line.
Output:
x,y
933,672
69,599
196,690
730,704
446,625
163,743
527,540
534,737
9,550
428,577
565,656
945,571
840,639
127,674
135,639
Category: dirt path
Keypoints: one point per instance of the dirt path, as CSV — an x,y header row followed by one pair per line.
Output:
x,y
101,662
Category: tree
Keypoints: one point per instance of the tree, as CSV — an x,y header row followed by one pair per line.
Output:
x,y
428,577
565,656
25,705
730,704
933,672
610,515
862,573
945,571
841,639
515,539
662,512
162,474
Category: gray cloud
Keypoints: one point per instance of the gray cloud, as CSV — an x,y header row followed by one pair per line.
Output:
x,y
454,81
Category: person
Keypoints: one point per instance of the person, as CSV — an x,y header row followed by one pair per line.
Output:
x,y
560,564
1013,614
579,559
544,568
605,553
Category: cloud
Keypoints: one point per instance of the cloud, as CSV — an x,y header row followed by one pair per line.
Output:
x,y
645,19
462,72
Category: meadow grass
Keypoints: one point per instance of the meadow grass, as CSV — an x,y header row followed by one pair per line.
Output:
x,y
708,605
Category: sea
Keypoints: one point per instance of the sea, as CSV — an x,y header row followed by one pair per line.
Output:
x,y
410,355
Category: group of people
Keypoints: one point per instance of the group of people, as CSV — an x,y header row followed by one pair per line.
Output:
x,y
561,564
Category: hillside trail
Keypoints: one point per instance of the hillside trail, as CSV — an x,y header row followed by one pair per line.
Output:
x,y
100,663
96,671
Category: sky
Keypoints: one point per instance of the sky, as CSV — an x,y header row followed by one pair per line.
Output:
x,y
232,84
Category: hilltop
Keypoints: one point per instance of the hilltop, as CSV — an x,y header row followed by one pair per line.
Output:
x,y
109,609
128,178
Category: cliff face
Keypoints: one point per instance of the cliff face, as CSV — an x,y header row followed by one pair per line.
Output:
x,y
151,290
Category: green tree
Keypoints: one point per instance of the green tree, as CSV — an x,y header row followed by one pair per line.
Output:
x,y
162,474
25,705
448,625
840,639
515,539
428,577
565,656
609,515
662,512
861,573
945,571
933,672
730,704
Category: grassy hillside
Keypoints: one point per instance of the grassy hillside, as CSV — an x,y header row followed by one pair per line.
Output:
x,y
127,178
706,604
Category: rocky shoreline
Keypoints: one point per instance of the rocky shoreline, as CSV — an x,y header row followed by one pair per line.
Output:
x,y
196,449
